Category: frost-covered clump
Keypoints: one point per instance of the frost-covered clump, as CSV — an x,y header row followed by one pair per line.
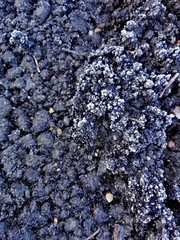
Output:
x,y
116,93
19,39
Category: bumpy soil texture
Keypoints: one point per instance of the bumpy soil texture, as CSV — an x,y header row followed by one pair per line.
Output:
x,y
89,132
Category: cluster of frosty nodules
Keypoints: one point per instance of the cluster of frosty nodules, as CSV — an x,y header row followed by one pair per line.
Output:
x,y
114,91
118,116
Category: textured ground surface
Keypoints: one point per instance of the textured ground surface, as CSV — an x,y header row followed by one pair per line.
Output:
x,y
83,113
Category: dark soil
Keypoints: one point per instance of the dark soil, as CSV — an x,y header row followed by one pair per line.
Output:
x,y
84,112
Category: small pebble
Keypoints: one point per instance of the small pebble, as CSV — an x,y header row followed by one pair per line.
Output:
x,y
171,144
97,30
91,32
51,110
109,197
59,131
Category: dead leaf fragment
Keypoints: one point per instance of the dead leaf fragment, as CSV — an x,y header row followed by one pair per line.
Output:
x,y
176,111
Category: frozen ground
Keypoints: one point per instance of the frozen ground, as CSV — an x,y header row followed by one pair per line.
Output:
x,y
89,131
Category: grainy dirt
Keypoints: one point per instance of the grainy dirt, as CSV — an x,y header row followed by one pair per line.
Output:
x,y
89,141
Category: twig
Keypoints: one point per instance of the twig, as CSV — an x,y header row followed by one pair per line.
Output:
x,y
73,52
93,235
169,84
37,65
118,232
115,232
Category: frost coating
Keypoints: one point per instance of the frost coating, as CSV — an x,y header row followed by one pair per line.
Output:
x,y
19,38
119,117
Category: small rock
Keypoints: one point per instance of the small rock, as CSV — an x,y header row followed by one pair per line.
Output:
x,y
59,131
171,144
66,120
51,110
109,197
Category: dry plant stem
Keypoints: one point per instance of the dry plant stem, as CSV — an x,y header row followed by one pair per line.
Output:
x,y
73,52
37,65
169,84
115,233
93,235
